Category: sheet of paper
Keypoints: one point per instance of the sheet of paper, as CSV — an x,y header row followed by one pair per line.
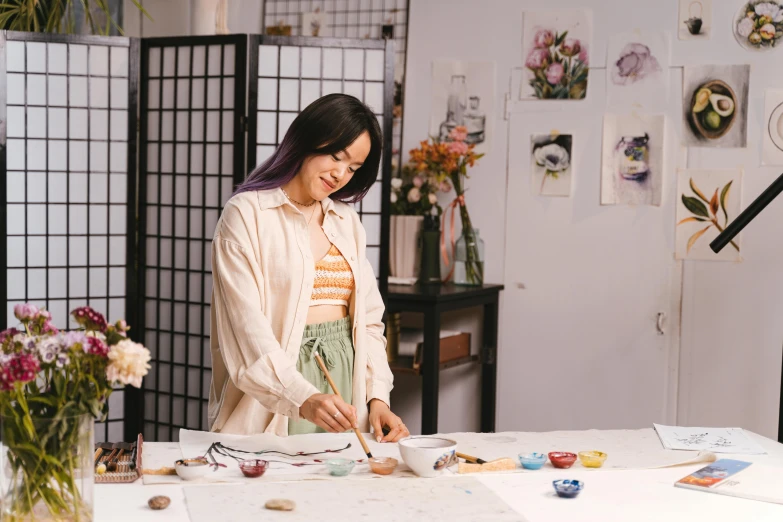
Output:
x,y
454,499
718,440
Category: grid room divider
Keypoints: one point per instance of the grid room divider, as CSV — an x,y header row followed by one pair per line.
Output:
x,y
84,223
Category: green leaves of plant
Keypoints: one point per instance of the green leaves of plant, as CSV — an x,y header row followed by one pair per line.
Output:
x,y
695,206
560,38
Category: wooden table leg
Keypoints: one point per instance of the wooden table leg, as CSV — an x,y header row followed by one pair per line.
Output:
x,y
430,370
489,368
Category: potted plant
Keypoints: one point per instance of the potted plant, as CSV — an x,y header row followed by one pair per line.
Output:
x,y
56,16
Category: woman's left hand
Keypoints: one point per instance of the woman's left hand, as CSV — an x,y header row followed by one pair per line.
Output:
x,y
380,416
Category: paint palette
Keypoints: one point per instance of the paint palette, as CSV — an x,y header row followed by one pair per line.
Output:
x,y
568,488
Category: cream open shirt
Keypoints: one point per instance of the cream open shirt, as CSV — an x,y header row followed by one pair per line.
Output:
x,y
263,272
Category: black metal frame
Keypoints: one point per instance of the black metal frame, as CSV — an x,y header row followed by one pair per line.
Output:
x,y
152,389
130,171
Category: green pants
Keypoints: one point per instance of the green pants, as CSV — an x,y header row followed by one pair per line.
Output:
x,y
333,341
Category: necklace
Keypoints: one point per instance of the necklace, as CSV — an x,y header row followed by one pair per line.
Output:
x,y
295,201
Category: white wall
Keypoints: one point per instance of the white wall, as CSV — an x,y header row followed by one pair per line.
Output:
x,y
729,371
731,331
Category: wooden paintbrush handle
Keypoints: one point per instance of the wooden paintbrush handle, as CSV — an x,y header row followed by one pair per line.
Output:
x,y
470,458
337,392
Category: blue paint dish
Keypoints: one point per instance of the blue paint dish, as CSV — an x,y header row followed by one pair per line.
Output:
x,y
568,488
532,460
339,467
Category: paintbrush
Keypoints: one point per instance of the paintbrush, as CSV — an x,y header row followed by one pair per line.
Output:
x,y
115,461
337,392
471,459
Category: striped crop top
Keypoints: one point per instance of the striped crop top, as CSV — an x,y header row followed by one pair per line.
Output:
x,y
333,282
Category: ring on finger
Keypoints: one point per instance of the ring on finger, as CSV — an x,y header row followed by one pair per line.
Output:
x,y
337,414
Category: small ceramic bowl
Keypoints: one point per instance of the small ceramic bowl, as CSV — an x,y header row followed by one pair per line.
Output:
x,y
532,460
190,469
562,459
592,459
568,488
253,468
383,465
428,456
340,467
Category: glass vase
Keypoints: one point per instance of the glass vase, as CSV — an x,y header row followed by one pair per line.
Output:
x,y
46,467
469,259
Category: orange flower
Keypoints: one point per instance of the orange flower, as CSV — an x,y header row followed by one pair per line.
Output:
x,y
421,166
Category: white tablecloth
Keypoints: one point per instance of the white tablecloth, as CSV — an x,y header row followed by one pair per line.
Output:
x,y
609,495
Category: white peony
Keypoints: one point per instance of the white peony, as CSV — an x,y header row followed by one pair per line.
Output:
x,y
128,363
414,195
433,199
396,183
745,27
771,10
394,197
553,157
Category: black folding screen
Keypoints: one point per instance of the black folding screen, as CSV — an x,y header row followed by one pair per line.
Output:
x,y
77,231
68,155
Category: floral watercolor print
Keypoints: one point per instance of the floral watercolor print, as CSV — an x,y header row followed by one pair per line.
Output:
x,y
632,159
463,95
772,134
758,25
707,201
555,49
551,167
637,70
715,106
695,22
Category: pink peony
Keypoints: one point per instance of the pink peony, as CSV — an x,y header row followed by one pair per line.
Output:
x,y
543,39
570,47
767,31
458,147
583,55
554,73
458,133
418,181
445,186
414,195
537,59
25,312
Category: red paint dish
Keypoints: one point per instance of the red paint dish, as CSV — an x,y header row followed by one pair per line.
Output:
x,y
253,468
562,459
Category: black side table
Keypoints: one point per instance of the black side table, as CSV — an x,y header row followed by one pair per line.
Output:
x,y
432,301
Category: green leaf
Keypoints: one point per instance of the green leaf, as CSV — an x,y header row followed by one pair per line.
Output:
x,y
695,206
698,192
560,38
724,194
691,219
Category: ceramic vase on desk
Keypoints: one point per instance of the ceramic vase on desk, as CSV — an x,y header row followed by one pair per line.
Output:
x,y
404,246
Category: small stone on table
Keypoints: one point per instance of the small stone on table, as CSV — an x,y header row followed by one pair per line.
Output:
x,y
159,502
280,504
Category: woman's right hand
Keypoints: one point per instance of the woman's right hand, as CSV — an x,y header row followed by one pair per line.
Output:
x,y
329,412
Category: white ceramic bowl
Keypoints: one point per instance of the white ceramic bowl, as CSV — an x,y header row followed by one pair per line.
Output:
x,y
190,469
428,456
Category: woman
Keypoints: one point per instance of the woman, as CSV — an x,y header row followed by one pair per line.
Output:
x,y
291,276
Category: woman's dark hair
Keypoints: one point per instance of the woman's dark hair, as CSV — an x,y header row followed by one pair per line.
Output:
x,y
326,126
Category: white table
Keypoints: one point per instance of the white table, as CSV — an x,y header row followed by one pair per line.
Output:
x,y
638,495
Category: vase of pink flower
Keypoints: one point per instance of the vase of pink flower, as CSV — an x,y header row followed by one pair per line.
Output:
x,y
53,385
558,66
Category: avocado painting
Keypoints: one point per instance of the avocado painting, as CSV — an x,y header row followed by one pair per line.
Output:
x,y
715,106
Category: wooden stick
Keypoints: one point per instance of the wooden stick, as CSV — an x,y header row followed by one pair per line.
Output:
x,y
471,459
159,471
337,392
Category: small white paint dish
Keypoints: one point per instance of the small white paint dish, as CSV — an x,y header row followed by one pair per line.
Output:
x,y
191,469
428,456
